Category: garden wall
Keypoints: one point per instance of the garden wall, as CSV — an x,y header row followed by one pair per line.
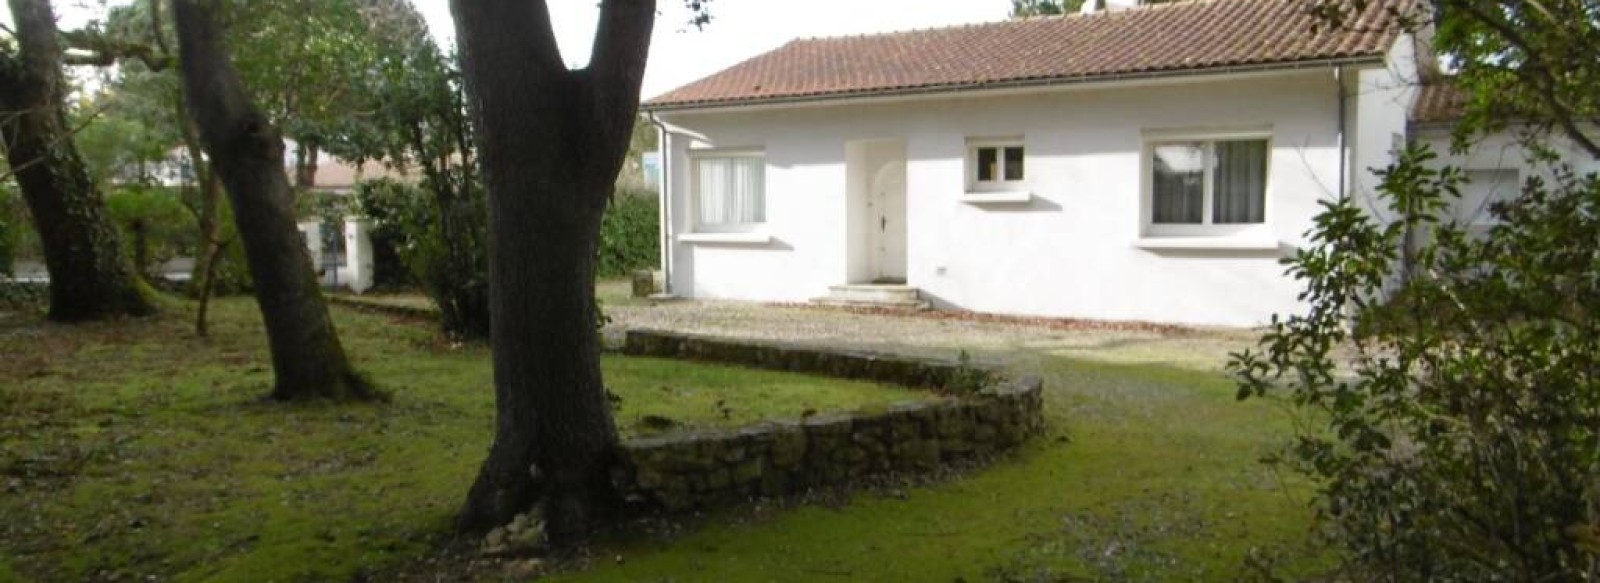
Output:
x,y
979,413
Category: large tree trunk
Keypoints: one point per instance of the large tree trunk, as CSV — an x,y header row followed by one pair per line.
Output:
x,y
89,275
550,143
247,153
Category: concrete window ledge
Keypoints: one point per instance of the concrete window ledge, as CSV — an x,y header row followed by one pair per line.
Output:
x,y
1206,244
1008,197
725,238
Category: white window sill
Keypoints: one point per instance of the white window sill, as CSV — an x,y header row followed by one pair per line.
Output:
x,y
1207,244
755,238
1006,197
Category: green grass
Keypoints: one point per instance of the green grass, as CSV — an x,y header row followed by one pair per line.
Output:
x,y
153,455
136,448
1150,474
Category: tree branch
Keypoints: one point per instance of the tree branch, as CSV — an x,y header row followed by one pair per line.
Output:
x,y
213,88
613,78
522,28
102,51
70,133
1543,80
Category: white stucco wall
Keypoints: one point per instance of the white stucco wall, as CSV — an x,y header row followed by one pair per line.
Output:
x,y
1073,251
1382,98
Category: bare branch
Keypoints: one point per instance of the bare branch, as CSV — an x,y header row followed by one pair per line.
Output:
x,y
72,131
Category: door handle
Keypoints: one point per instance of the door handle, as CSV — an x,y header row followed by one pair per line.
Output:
x,y
883,223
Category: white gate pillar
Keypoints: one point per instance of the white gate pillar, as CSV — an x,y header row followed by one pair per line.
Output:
x,y
357,255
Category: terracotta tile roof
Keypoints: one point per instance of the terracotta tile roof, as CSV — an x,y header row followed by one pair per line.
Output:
x,y
1437,102
1168,38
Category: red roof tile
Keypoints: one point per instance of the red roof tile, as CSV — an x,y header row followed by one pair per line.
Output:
x,y
1167,38
1439,101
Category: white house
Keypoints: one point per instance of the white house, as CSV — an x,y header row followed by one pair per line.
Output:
x,y
1144,163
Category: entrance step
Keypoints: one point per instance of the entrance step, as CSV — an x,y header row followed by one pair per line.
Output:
x,y
873,295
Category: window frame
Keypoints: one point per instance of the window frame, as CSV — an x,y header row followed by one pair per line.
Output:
x,y
698,155
1206,227
999,144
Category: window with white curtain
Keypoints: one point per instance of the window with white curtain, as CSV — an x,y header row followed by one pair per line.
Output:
x,y
1208,182
995,164
729,191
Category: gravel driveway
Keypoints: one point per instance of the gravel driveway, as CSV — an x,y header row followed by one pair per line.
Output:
x,y
940,334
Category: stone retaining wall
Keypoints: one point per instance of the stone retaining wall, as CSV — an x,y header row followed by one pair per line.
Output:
x,y
979,413
374,307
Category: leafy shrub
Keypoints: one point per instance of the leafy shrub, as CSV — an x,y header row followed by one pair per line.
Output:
x,y
17,295
1457,430
155,224
447,253
629,233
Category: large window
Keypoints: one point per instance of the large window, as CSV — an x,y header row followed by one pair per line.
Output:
x,y
729,191
1208,182
995,164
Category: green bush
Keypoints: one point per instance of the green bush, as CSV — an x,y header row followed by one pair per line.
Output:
x,y
1455,433
629,233
446,252
16,295
156,226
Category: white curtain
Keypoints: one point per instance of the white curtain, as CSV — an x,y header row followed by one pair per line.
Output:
x,y
1239,182
731,190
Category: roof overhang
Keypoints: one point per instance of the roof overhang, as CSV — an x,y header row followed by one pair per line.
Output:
x,y
1011,87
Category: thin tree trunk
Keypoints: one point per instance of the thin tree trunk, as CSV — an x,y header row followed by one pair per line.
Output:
x,y
141,248
212,247
247,153
90,278
305,166
208,217
550,144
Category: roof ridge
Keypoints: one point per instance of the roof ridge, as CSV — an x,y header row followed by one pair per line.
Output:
x,y
1143,40
1149,7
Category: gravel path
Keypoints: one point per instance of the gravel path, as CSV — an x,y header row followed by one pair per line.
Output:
x,y
942,334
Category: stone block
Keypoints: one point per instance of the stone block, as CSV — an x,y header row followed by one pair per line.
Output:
x,y
747,471
718,479
649,478
983,433
789,444
644,283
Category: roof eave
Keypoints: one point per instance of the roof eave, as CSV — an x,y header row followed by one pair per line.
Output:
x,y
1372,59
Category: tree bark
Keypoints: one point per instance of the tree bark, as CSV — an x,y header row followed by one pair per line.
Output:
x,y
550,144
247,154
90,277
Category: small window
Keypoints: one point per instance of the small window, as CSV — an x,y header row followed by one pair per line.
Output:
x,y
729,191
995,165
1208,182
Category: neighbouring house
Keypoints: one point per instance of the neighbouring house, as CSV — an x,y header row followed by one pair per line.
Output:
x,y
341,252
1146,163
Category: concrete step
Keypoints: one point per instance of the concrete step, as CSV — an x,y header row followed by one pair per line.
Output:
x,y
900,305
873,296
872,292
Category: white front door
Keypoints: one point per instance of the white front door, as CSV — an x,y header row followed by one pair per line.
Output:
x,y
888,227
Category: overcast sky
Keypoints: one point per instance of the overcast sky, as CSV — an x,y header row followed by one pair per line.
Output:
x,y
740,29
